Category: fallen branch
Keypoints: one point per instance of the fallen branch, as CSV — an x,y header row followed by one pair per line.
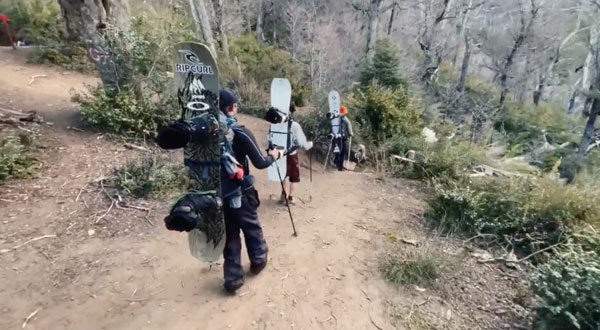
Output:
x,y
373,322
136,147
403,159
481,170
106,213
409,242
125,205
29,241
36,76
29,318
12,112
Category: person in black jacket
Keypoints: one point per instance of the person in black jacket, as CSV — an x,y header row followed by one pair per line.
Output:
x,y
244,218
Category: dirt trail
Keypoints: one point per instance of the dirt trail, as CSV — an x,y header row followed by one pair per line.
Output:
x,y
142,276
128,272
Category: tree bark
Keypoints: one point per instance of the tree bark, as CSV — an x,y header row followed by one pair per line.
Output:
x,y
84,17
220,29
260,34
523,34
391,23
374,13
539,89
460,88
590,127
202,21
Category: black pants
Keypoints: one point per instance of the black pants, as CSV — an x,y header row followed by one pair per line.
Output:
x,y
342,143
246,219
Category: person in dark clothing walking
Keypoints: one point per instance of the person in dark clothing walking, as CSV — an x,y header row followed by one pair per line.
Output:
x,y
342,140
244,218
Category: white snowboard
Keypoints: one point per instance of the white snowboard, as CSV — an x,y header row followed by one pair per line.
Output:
x,y
281,95
334,110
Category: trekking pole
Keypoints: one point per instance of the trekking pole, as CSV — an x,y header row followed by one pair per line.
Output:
x,y
328,151
287,202
310,167
349,149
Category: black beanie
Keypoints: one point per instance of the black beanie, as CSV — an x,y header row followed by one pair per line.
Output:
x,y
226,98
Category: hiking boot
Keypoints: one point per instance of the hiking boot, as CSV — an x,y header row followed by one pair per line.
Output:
x,y
282,199
257,268
291,200
232,286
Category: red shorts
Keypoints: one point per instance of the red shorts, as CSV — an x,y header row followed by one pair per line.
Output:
x,y
293,168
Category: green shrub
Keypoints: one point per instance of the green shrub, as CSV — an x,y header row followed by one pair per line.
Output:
x,y
384,69
40,22
383,113
478,102
147,97
17,157
37,21
418,267
444,160
529,214
252,66
568,287
528,127
123,112
149,176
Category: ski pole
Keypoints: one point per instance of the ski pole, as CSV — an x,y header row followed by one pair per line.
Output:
x,y
287,202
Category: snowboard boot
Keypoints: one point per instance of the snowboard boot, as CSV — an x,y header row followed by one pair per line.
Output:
x,y
257,268
291,200
232,286
282,199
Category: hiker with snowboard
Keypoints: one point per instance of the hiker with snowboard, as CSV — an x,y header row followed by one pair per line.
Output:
x,y
342,140
244,218
296,139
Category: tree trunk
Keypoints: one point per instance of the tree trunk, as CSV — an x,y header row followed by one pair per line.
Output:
x,y
460,31
221,35
391,23
202,21
593,98
590,127
84,17
523,34
260,34
539,90
460,88
374,13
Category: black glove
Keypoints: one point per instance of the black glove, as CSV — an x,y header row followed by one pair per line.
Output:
x,y
177,135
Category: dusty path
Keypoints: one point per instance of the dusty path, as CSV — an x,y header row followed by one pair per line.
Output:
x,y
128,272
142,276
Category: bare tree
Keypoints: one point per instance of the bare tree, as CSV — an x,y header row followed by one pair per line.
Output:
x,y
593,96
220,29
373,10
295,20
460,88
260,34
523,33
429,41
202,21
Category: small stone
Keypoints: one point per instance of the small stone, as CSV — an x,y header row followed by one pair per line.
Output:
x,y
448,315
91,232
501,311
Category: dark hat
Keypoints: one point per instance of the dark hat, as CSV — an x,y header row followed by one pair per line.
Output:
x,y
226,98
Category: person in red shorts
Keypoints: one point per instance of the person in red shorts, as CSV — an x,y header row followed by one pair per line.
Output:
x,y
297,140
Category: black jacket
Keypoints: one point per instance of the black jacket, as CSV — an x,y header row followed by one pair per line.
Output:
x,y
245,147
